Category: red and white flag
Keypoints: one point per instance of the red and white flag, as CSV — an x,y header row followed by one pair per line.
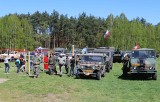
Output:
x,y
107,34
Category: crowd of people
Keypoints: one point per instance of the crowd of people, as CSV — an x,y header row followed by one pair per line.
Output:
x,y
63,62
69,64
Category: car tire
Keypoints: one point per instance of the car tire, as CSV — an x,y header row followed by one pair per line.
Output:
x,y
154,76
108,69
103,75
98,75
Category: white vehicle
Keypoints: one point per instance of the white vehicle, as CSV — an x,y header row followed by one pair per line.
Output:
x,y
10,55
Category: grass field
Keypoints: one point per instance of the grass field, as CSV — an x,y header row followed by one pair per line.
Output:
x,y
111,88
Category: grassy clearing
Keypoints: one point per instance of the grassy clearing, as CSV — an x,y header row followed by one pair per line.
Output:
x,y
53,88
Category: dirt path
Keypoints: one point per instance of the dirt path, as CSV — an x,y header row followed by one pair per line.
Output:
x,y
2,80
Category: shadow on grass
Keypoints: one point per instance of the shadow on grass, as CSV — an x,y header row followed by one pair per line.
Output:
x,y
86,77
139,77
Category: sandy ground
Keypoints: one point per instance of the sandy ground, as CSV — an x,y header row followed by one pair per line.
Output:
x,y
2,80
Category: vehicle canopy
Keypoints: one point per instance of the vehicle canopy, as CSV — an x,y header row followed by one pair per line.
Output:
x,y
61,50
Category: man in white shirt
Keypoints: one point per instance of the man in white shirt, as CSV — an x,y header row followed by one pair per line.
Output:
x,y
61,62
6,65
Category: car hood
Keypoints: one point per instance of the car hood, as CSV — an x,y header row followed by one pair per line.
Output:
x,y
147,61
90,63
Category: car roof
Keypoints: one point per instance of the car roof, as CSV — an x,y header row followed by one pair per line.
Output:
x,y
93,54
142,49
101,50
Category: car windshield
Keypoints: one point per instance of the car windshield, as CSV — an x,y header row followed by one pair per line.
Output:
x,y
69,54
143,54
92,58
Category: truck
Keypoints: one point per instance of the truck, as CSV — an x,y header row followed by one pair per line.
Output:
x,y
142,61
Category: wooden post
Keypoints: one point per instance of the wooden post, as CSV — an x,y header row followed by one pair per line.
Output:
x,y
72,50
29,62
25,58
48,54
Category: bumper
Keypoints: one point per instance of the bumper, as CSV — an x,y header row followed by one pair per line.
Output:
x,y
86,74
142,71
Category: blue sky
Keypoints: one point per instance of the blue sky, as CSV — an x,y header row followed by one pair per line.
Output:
x,y
148,9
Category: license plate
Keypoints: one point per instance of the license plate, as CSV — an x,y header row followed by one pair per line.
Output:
x,y
88,71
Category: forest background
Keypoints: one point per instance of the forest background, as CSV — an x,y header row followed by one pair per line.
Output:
x,y
28,31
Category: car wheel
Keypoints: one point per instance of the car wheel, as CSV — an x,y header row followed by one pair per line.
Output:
x,y
108,69
154,76
111,67
103,75
98,75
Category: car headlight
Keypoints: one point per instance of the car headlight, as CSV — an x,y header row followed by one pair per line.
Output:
x,y
94,67
82,67
100,63
134,67
151,68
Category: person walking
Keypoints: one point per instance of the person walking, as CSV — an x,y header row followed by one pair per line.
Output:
x,y
23,65
72,66
77,62
61,62
7,67
17,63
52,64
36,65
67,64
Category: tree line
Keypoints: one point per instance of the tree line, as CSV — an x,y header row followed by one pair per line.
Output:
x,y
27,31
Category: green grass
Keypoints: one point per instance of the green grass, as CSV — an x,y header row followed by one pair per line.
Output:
x,y
111,88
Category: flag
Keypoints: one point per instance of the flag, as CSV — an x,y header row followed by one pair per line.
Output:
x,y
107,34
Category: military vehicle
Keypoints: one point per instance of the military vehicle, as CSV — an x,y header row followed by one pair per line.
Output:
x,y
143,61
92,64
109,57
117,56
90,50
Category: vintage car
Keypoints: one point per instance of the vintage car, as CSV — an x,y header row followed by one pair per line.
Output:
x,y
109,57
143,61
92,64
